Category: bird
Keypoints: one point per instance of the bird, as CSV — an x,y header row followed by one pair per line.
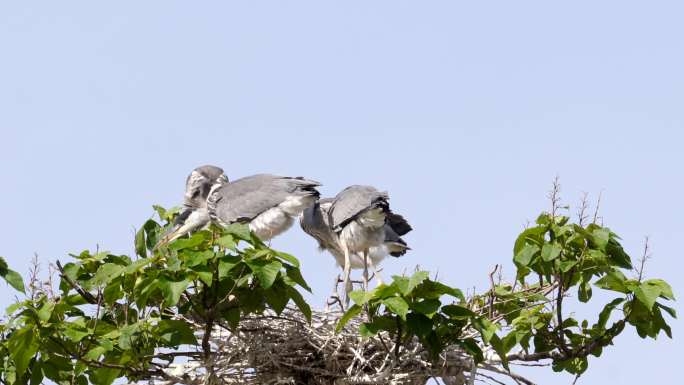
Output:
x,y
267,203
358,228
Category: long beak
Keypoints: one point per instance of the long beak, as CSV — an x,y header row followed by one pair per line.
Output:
x,y
187,221
171,235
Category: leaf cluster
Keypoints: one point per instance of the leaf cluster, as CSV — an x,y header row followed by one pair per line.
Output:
x,y
119,316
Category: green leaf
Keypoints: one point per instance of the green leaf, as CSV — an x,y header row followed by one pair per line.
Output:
x,y
550,251
416,279
663,287
565,266
14,279
419,324
227,241
427,307
607,310
400,283
470,345
186,243
532,235
369,329
647,294
457,312
276,297
45,311
617,255
352,312
396,305
584,291
486,328
524,257
265,271
296,275
146,237
175,332
227,263
300,302
104,376
232,316
23,345
614,281
361,297
501,347
239,230
672,312
75,332
288,258
140,247
204,274
601,236
133,267
194,258
172,289
36,374
107,272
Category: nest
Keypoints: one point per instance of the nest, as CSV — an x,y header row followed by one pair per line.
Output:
x,y
286,349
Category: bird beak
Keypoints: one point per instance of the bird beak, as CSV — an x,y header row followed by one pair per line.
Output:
x,y
171,234
178,229
187,221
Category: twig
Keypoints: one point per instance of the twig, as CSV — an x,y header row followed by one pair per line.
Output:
x,y
85,294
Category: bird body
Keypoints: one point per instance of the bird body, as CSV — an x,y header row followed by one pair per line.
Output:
x,y
314,221
266,202
357,227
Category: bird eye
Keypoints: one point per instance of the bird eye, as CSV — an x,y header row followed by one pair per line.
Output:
x,y
195,194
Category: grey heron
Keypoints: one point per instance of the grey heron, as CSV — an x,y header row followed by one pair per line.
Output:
x,y
358,228
268,203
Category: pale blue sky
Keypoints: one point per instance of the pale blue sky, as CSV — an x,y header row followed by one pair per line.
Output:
x,y
463,111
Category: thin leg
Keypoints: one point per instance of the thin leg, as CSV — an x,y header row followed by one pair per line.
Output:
x,y
365,270
345,276
376,271
335,294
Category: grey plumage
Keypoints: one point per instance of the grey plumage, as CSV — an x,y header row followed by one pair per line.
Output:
x,y
358,228
352,201
267,202
315,222
244,199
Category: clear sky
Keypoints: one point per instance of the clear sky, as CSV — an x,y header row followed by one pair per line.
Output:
x,y
463,111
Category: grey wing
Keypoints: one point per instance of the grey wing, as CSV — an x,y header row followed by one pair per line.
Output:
x,y
245,198
314,221
394,243
352,201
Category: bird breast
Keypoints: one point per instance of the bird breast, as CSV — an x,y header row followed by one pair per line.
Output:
x,y
270,223
358,238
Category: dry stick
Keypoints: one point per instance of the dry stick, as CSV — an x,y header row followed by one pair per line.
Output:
x,y
491,293
645,257
598,206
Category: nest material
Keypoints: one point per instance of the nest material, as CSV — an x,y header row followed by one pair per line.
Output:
x,y
286,349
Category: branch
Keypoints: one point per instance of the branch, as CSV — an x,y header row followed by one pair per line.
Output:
x,y
85,294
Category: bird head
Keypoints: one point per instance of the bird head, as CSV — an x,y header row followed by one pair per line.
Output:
x,y
200,182
194,215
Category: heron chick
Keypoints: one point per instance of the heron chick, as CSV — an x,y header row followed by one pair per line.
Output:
x,y
358,228
268,203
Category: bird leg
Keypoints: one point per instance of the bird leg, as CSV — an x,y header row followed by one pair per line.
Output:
x,y
376,271
335,296
345,275
365,270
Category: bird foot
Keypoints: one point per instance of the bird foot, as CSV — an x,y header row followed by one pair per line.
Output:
x,y
334,299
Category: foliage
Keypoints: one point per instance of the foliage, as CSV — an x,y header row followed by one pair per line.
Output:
x,y
117,316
